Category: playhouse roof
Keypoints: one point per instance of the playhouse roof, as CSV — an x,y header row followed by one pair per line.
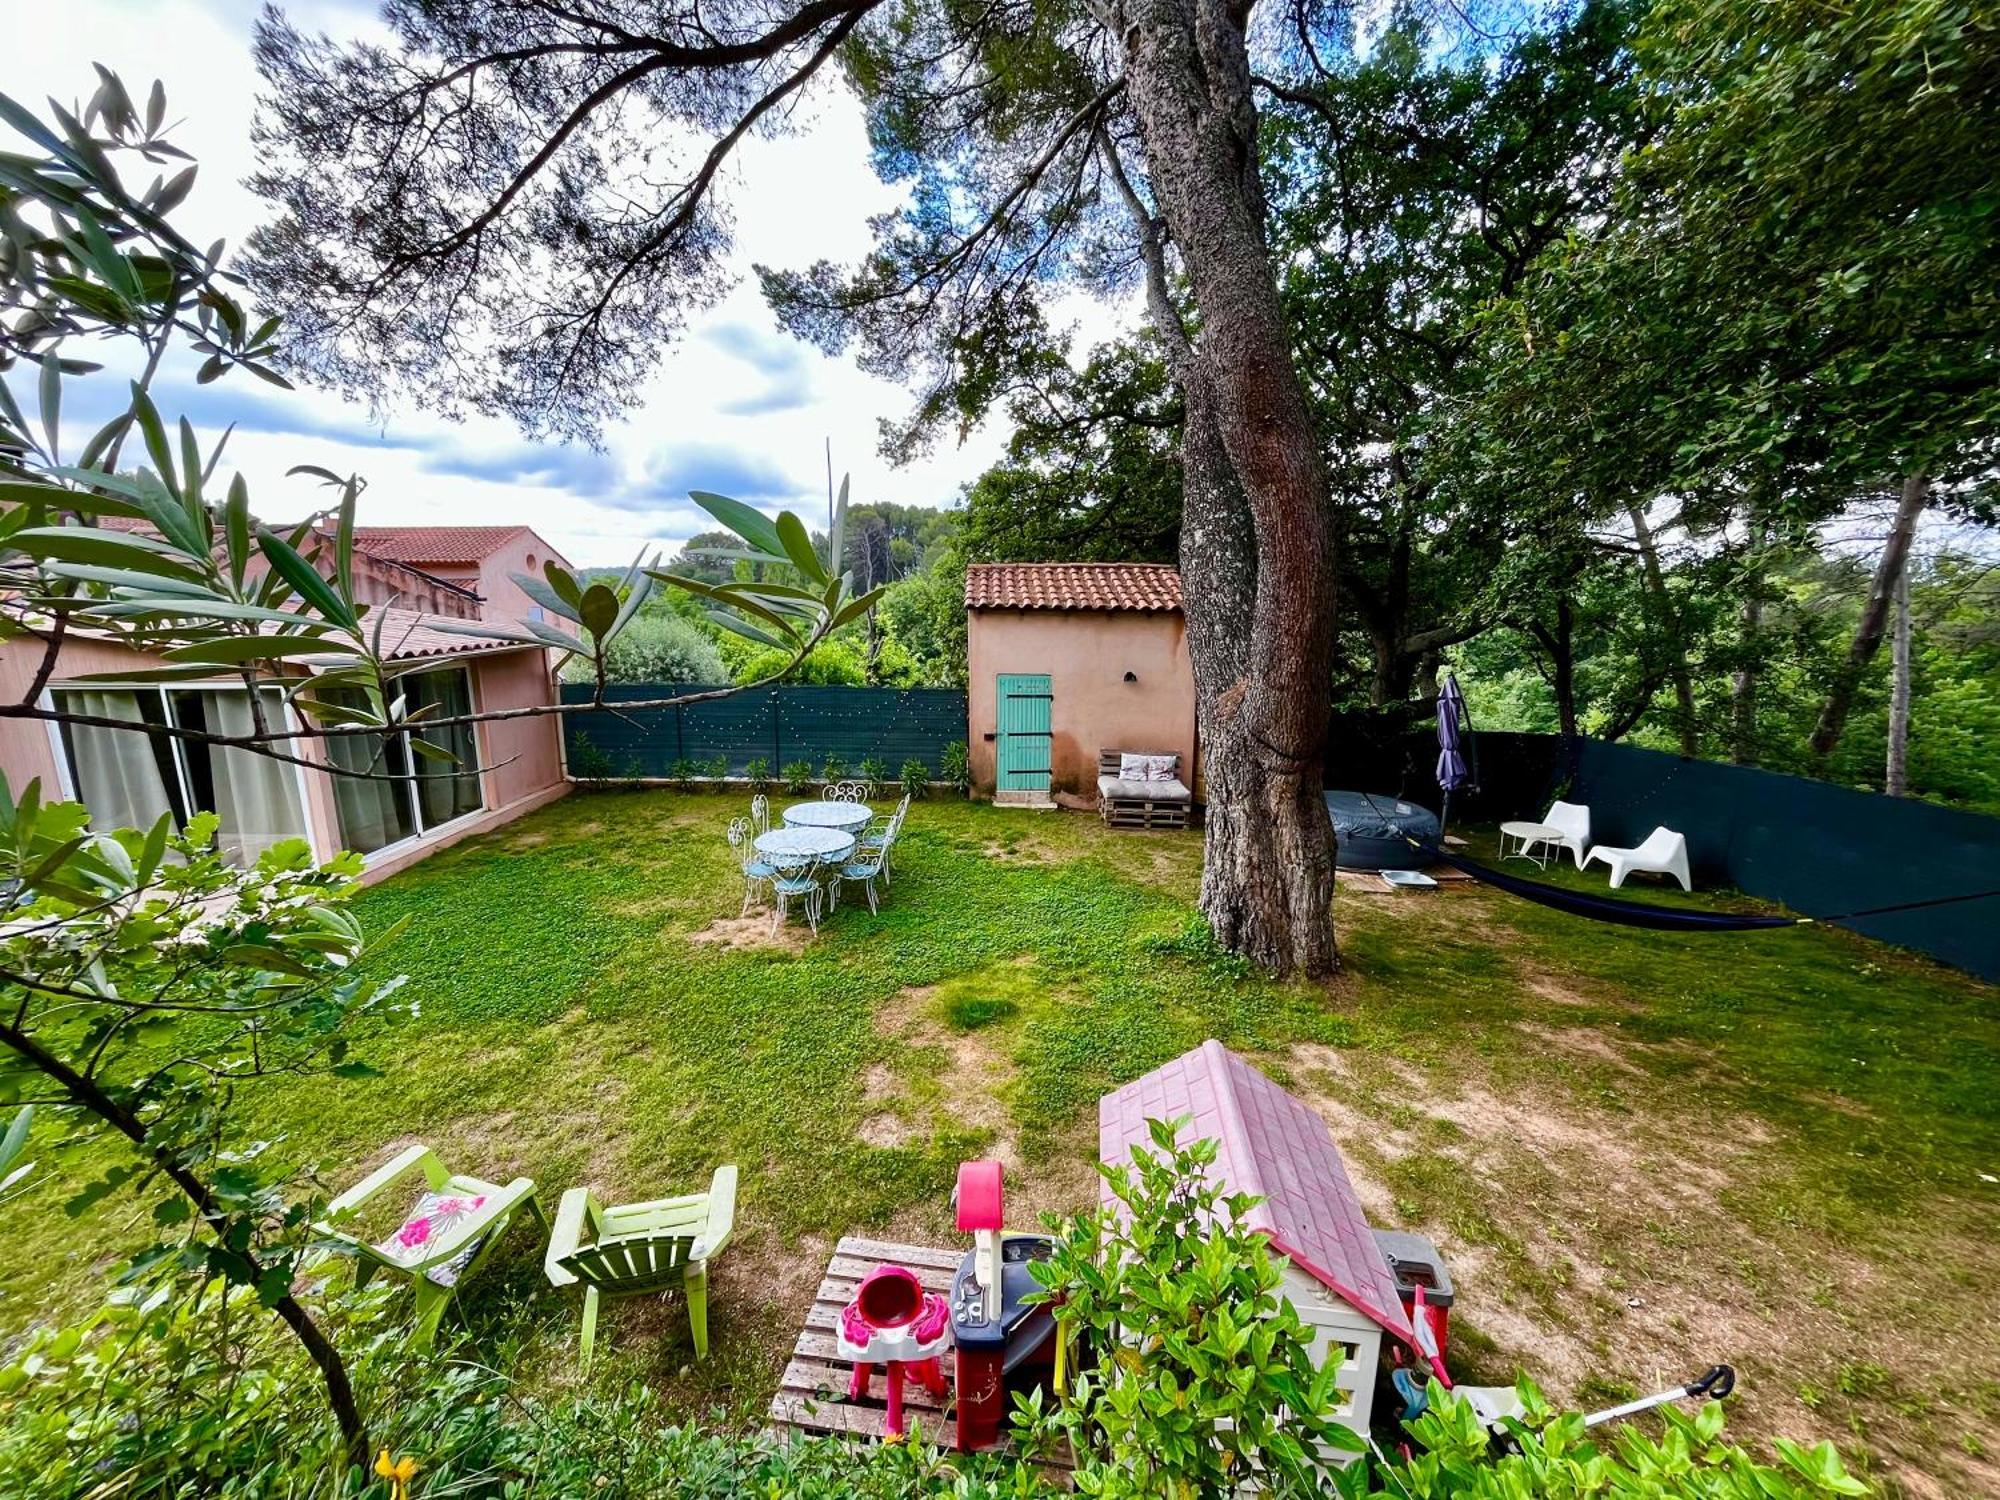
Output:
x,y
1272,1146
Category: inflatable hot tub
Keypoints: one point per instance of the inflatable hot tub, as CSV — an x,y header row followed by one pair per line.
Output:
x,y
1375,832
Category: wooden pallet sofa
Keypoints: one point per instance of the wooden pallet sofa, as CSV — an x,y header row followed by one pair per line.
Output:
x,y
1140,804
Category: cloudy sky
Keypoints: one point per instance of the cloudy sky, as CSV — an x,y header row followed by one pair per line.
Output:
x,y
739,407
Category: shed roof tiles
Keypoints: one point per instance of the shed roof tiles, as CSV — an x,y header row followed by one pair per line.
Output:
x,y
1063,586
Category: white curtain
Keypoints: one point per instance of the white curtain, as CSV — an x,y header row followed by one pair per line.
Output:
x,y
118,775
256,798
372,812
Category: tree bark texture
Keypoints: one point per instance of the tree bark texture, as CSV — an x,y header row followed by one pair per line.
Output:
x,y
1257,563
1896,773
1874,622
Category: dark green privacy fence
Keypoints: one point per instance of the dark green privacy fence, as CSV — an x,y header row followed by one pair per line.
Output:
x,y
1821,850
775,725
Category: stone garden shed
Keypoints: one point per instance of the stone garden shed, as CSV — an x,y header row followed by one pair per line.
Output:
x,y
1065,660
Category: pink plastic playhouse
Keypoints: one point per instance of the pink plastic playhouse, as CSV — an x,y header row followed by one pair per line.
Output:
x,y
1273,1146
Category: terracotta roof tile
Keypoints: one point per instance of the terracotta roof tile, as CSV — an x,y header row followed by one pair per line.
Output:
x,y
419,545
1273,1146
1140,586
408,635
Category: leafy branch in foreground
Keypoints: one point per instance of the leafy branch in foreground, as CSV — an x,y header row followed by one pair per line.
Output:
x,y
143,981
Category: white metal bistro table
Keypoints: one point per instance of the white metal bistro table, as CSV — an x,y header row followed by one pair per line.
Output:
x,y
800,842
1535,842
848,817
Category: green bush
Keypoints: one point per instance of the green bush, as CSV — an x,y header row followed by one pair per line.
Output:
x,y
1192,1371
916,778
656,647
798,776
1553,1456
955,766
586,762
716,767
682,774
874,772
833,768
829,664
758,773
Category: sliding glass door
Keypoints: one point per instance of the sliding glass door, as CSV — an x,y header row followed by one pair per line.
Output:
x,y
128,777
404,792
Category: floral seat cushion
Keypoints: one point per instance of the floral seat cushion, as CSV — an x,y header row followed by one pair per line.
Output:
x,y
433,1216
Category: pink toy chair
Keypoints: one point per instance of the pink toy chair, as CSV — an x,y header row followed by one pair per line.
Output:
x,y
893,1321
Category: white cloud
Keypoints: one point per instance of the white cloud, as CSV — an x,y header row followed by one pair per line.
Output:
x,y
737,404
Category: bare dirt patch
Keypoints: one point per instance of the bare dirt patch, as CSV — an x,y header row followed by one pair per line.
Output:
x,y
886,1131
735,934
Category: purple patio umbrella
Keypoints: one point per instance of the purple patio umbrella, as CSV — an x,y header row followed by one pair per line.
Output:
x,y
1452,772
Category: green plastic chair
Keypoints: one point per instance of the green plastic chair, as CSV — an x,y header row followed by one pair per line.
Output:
x,y
436,1263
643,1248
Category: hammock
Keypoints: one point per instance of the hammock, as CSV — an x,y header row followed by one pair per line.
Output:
x,y
1605,909
1667,918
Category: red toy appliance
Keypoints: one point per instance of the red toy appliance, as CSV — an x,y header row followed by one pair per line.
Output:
x,y
1001,1343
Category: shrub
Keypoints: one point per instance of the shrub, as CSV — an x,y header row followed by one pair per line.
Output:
x,y
758,773
656,648
798,776
955,765
1551,1455
716,768
587,763
834,768
1192,1371
916,778
874,772
829,664
682,773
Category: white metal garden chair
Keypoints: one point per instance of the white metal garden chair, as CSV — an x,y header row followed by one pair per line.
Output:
x,y
867,865
797,880
847,791
878,835
757,871
760,814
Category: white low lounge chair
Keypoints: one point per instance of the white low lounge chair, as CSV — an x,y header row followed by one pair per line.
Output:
x,y
1573,818
1664,853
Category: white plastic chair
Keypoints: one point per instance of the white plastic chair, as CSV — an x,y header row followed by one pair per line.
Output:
x,y
1573,818
1664,853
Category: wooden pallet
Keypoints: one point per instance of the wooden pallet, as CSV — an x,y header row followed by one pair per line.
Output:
x,y
812,1394
1131,812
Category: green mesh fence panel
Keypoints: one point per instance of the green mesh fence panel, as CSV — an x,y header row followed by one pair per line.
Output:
x,y
775,725
1819,849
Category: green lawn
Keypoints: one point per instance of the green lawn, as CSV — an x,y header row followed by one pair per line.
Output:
x,y
1640,1152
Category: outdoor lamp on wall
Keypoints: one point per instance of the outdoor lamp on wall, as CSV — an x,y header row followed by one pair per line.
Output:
x,y
1131,676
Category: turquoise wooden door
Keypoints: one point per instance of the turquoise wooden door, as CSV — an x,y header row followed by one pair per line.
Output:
x,y
1024,733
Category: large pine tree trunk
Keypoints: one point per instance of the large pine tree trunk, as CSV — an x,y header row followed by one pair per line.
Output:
x,y
1260,635
1874,621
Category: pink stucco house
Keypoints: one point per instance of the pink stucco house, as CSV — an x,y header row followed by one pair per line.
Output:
x,y
478,559
129,777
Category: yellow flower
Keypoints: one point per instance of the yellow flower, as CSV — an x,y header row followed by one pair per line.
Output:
x,y
399,1473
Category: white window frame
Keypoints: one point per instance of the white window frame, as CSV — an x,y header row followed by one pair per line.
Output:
x,y
65,777
411,759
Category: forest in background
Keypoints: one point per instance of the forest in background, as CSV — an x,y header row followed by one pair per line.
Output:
x,y
1626,426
